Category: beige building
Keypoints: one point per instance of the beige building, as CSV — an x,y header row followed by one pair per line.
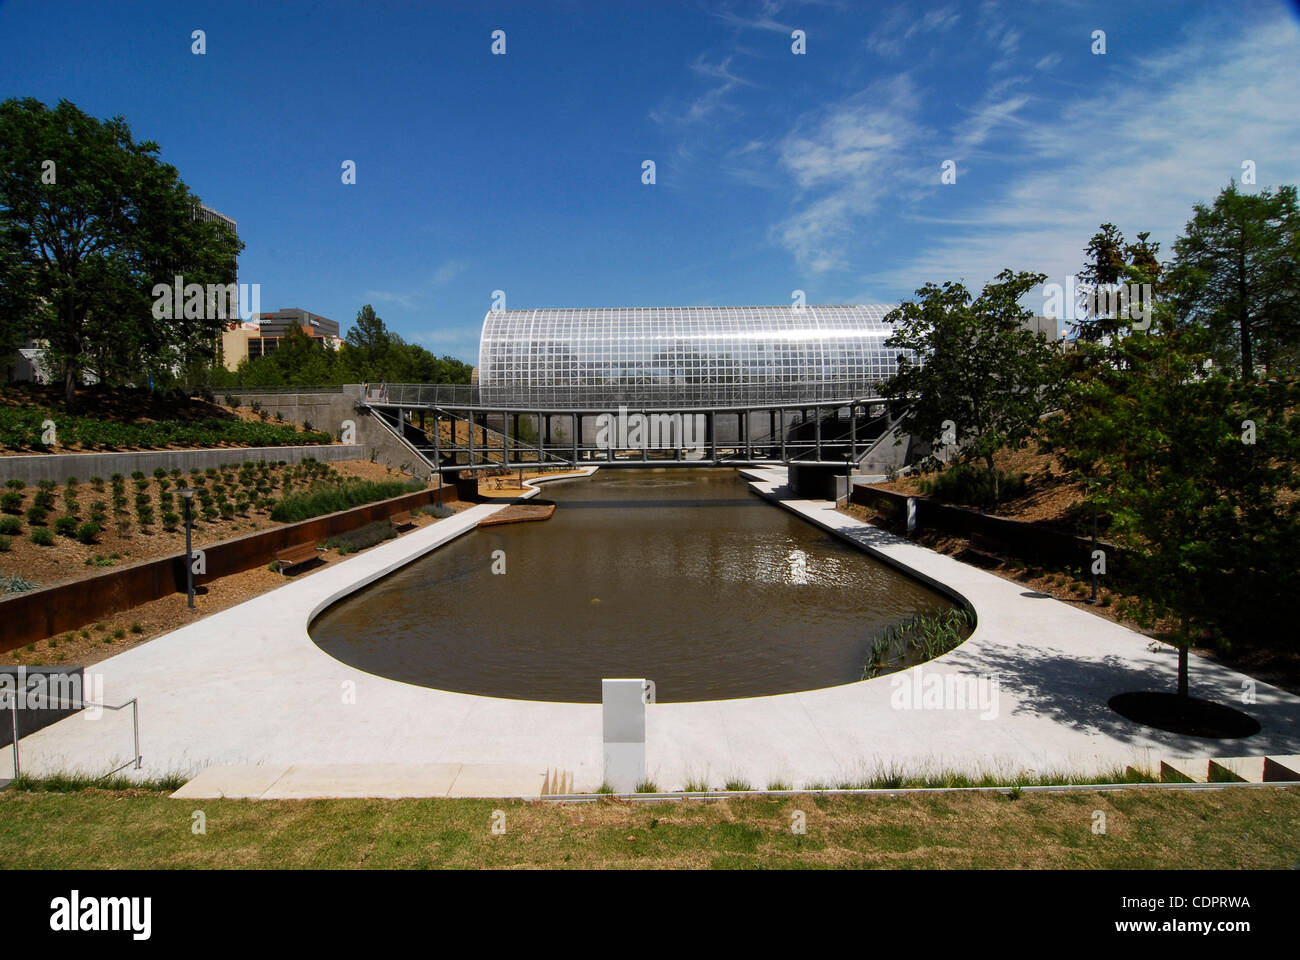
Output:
x,y
262,336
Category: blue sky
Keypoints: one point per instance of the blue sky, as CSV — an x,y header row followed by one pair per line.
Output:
x,y
774,171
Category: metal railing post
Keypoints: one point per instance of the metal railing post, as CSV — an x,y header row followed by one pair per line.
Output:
x,y
13,720
135,722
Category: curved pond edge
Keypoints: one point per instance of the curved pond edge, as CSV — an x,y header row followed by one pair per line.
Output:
x,y
758,484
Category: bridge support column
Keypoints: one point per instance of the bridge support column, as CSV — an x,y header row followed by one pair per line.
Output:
x,y
853,433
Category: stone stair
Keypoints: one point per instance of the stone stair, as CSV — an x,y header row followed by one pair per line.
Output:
x,y
1269,769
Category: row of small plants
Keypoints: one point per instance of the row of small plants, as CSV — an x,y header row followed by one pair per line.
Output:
x,y
219,495
104,632
20,429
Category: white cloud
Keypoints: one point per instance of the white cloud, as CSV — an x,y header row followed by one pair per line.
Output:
x,y
889,39
1168,133
1048,62
448,271
844,162
405,300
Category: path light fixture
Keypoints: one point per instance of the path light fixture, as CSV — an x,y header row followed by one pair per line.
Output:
x,y
187,497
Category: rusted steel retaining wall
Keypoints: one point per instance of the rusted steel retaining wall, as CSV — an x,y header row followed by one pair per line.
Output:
x,y
31,616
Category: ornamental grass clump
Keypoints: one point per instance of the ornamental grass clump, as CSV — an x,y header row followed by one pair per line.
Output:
x,y
332,496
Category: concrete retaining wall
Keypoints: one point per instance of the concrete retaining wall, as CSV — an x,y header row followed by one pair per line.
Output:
x,y
328,410
32,468
1030,543
28,617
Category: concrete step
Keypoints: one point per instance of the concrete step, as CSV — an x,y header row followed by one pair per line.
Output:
x,y
1239,769
1185,770
1281,768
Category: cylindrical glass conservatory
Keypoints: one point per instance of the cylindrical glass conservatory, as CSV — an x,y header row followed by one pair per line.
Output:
x,y
683,356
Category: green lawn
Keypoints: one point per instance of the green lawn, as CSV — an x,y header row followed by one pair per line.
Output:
x,y
1145,828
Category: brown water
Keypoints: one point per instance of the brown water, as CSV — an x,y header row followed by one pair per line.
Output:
x,y
684,577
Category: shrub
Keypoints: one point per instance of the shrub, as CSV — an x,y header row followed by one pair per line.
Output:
x,y
170,520
65,526
4,544
136,627
11,502
438,510
974,487
44,499
330,497
232,401
144,514
159,472
15,584
42,537
97,483
362,537
37,515
87,532
10,526
15,484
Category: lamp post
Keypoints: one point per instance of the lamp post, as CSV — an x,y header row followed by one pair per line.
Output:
x,y
187,497
1092,490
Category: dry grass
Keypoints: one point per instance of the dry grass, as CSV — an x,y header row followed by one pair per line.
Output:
x,y
1154,829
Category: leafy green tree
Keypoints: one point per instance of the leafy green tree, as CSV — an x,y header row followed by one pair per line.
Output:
x,y
1238,272
971,368
1196,474
90,236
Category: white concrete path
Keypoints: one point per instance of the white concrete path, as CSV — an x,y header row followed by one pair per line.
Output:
x,y
247,687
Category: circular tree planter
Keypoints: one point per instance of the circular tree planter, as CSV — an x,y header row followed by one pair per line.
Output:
x,y
1189,716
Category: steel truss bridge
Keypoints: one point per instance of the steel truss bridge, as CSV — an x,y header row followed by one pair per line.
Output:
x,y
464,428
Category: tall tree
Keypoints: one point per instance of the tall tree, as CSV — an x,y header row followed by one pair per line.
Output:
x,y
1238,272
92,220
1110,261
1195,472
974,365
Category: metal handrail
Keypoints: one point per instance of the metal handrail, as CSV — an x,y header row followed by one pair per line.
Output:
x,y
133,703
601,397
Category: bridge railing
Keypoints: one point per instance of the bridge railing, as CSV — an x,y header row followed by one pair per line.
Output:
x,y
599,398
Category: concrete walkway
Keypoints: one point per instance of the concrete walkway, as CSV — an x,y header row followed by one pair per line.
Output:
x,y
246,687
